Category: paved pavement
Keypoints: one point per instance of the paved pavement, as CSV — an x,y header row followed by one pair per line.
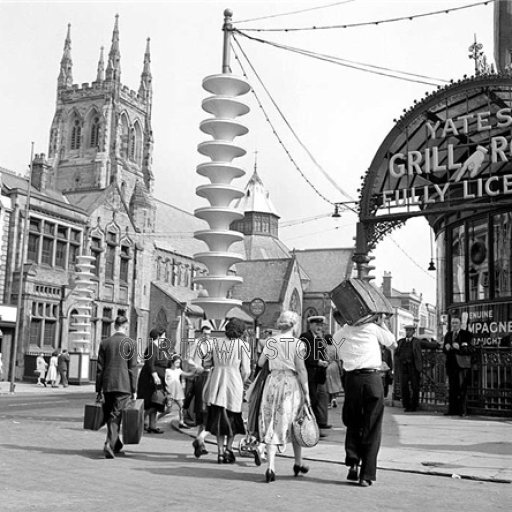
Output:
x,y
475,447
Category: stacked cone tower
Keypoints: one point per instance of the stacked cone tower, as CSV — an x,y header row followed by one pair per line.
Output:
x,y
226,107
81,337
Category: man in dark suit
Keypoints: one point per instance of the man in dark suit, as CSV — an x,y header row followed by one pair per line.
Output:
x,y
458,349
316,366
62,367
116,380
409,360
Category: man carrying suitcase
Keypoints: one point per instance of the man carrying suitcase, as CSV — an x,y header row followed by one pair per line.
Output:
x,y
116,380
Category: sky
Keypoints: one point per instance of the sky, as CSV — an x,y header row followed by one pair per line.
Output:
x,y
341,115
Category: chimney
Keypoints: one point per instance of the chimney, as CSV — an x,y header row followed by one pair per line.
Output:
x,y
386,285
40,168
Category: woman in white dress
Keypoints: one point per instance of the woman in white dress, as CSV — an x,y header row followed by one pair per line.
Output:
x,y
285,391
223,392
51,375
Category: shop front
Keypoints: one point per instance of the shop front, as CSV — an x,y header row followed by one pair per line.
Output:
x,y
449,159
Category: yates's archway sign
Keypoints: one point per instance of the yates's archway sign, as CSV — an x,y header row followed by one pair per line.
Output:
x,y
452,151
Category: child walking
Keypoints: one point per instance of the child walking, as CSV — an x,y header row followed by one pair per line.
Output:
x,y
174,386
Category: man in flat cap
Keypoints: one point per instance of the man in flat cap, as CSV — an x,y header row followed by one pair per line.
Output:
x,y
316,365
409,361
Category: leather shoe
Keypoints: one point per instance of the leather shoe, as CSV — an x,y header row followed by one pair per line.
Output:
x,y
352,474
199,448
365,483
270,476
300,469
118,446
107,451
155,430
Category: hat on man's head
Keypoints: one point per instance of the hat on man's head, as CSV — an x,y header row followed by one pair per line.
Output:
x,y
316,319
410,326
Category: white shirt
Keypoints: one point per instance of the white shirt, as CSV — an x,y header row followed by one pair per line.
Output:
x,y
358,345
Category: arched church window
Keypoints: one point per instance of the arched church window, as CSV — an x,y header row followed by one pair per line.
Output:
x,y
95,133
137,140
125,136
76,135
132,144
295,302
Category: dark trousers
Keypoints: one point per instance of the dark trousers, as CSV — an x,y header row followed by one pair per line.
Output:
x,y
64,377
409,385
319,402
363,412
457,390
113,407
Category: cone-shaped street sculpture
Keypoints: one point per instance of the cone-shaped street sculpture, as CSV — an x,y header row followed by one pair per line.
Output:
x,y
222,150
81,338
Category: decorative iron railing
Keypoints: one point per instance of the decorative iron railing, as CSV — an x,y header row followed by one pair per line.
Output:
x,y
489,388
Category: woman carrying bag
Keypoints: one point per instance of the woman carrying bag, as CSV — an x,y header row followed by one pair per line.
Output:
x,y
285,393
152,380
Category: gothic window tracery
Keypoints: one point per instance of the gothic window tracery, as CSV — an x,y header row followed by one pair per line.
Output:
x,y
76,135
95,133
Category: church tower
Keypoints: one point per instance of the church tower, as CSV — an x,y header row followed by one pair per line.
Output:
x,y
101,132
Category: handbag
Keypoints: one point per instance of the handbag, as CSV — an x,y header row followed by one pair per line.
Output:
x,y
158,399
305,430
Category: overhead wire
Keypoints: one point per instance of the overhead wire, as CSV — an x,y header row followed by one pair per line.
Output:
x,y
294,133
408,256
279,139
367,23
296,12
360,66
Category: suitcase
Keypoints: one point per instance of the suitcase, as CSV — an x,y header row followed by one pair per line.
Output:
x,y
93,416
358,300
133,421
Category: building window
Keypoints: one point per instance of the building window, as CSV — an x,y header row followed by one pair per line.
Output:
x,y
96,253
35,331
76,135
48,243
478,254
33,248
110,257
124,263
43,324
106,323
458,241
502,229
95,132
60,254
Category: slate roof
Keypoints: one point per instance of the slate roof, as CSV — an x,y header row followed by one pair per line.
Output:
x,y
261,247
179,294
262,278
174,230
315,262
12,181
88,201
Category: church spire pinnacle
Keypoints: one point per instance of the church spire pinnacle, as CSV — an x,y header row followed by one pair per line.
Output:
x,y
114,56
146,88
66,64
101,67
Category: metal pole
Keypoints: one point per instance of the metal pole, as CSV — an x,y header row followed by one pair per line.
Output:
x,y
17,332
226,53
